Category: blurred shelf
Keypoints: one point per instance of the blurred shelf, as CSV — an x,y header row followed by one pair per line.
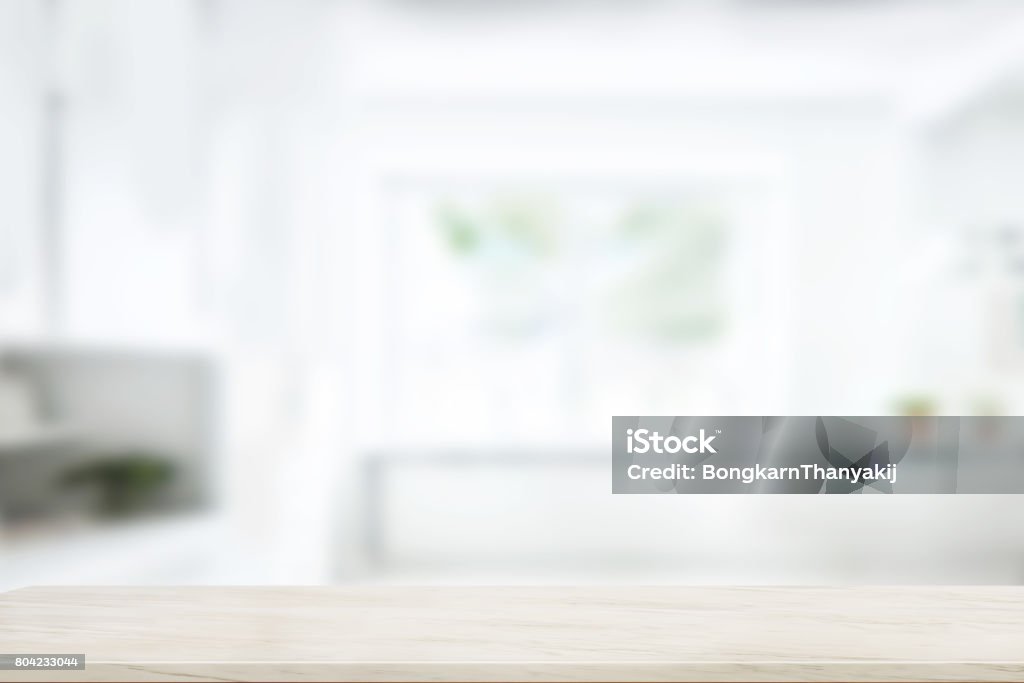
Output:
x,y
133,348
17,441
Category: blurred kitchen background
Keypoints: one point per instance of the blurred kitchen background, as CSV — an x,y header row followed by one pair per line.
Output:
x,y
314,291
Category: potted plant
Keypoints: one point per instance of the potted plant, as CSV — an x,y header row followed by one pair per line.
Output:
x,y
126,483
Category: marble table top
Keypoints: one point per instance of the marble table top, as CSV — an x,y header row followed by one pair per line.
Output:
x,y
649,633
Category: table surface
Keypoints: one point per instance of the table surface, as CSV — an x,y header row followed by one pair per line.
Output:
x,y
649,633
